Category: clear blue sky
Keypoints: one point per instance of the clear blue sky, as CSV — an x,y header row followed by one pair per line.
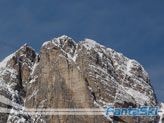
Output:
x,y
133,27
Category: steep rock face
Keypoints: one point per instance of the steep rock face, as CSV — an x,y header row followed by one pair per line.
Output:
x,y
71,75
58,83
14,72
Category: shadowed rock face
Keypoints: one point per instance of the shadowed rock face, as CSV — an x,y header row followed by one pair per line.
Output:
x,y
70,75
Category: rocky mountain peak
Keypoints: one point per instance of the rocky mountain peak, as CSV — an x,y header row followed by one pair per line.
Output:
x,y
63,43
27,52
90,44
67,74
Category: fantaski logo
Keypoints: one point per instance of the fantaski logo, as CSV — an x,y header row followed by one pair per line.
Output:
x,y
142,111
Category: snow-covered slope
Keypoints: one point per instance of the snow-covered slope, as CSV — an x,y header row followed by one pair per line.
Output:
x,y
128,75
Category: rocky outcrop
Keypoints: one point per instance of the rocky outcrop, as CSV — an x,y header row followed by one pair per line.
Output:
x,y
14,72
67,74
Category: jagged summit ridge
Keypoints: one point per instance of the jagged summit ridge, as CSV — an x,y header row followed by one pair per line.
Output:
x,y
123,66
67,74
